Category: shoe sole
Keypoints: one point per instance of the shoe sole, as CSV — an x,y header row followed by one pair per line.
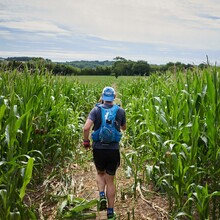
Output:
x,y
102,205
113,217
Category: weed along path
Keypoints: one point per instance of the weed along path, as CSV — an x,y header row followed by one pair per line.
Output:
x,y
79,181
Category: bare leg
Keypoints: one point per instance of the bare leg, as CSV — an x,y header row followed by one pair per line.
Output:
x,y
100,179
110,190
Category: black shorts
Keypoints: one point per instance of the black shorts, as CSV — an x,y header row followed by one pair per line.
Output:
x,y
106,160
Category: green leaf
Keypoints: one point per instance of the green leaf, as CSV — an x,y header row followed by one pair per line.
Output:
x,y
15,215
2,111
3,194
84,206
63,205
27,177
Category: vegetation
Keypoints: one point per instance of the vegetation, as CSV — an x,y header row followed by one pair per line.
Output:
x,y
118,67
89,64
172,138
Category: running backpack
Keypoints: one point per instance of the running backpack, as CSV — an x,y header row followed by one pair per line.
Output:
x,y
107,132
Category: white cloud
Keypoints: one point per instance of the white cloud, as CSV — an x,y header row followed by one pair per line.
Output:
x,y
58,55
5,34
187,24
34,26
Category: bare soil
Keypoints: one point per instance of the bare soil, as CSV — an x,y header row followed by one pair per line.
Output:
x,y
81,181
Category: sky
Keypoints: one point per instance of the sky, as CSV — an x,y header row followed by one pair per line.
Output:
x,y
158,31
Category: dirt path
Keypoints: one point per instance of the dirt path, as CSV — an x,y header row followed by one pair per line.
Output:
x,y
80,181
148,204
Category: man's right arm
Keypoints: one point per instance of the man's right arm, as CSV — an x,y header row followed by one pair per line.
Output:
x,y
86,129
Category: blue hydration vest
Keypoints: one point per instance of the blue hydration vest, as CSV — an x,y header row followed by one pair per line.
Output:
x,y
107,132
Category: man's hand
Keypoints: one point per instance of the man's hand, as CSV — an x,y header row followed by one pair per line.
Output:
x,y
86,144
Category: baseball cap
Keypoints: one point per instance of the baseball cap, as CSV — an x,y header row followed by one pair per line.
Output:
x,y
108,94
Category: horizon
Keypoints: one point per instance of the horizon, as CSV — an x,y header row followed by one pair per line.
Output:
x,y
45,58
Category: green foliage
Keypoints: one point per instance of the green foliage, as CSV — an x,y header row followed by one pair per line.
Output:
x,y
172,137
15,175
90,64
123,67
41,118
77,208
34,64
176,118
27,177
118,67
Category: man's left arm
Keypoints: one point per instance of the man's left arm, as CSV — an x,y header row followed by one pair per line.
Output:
x,y
123,123
123,127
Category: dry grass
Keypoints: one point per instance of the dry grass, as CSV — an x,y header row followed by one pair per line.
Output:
x,y
81,182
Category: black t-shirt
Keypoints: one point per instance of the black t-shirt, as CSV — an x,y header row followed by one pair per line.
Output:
x,y
95,116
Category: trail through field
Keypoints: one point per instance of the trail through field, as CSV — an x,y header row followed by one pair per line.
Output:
x,y
148,204
80,181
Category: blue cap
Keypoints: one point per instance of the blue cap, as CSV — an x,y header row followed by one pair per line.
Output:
x,y
108,94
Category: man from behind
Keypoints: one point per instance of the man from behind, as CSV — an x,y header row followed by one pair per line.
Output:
x,y
107,120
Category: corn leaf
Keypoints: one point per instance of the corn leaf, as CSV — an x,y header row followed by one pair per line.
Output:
x,y
27,177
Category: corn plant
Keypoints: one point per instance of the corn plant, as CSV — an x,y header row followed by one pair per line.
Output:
x,y
15,176
172,135
178,116
38,117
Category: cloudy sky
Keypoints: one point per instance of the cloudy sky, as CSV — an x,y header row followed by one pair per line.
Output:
x,y
156,31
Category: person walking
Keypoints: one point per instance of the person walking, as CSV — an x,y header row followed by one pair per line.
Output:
x,y
106,152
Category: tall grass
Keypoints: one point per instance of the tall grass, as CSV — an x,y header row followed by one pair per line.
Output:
x,y
176,118
41,119
172,137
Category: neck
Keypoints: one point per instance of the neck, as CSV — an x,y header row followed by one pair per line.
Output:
x,y
108,103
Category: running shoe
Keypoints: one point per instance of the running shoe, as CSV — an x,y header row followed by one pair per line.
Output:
x,y
112,216
102,204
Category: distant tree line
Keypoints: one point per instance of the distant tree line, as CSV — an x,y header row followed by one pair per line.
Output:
x,y
118,67
84,64
38,63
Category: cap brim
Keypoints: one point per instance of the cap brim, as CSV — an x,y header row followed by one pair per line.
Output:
x,y
108,98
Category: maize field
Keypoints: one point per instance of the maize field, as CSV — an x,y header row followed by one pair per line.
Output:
x,y
172,137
